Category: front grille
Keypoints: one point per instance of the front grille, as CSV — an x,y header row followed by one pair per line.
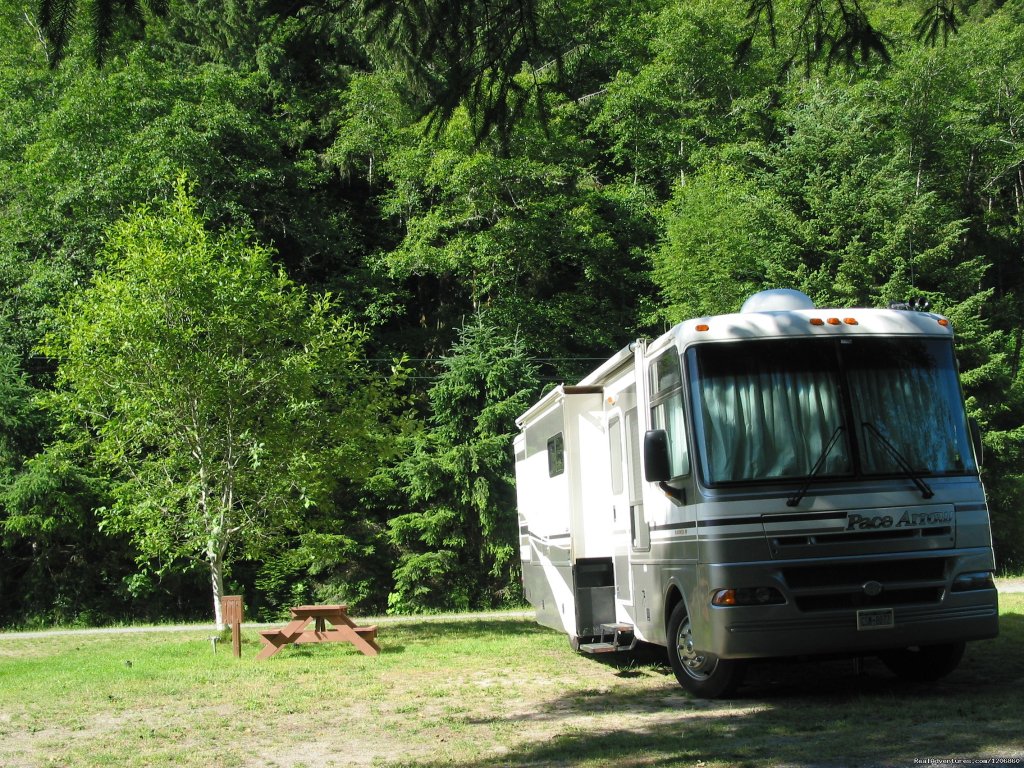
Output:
x,y
842,585
888,599
855,574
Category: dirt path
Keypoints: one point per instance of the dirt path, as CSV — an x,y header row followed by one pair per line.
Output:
x,y
1010,585
212,628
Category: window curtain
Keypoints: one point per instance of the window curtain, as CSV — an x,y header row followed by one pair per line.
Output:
x,y
916,412
764,423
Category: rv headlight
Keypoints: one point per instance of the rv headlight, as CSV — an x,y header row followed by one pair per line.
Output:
x,y
748,596
968,582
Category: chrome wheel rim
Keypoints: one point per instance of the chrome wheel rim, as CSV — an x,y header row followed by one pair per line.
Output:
x,y
699,666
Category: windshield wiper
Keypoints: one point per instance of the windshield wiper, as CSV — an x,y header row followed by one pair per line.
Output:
x,y
922,486
796,498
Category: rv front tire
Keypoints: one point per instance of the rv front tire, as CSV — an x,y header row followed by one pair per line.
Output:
x,y
701,673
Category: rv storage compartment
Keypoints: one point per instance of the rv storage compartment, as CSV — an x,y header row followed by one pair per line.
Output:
x,y
595,595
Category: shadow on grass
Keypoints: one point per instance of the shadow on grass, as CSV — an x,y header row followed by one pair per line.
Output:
x,y
643,660
815,713
404,637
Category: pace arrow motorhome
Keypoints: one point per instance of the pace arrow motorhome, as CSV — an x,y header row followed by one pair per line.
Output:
x,y
781,482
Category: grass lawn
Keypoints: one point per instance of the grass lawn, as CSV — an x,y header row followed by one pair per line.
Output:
x,y
482,693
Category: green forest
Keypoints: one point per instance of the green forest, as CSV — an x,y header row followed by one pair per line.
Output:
x,y
276,278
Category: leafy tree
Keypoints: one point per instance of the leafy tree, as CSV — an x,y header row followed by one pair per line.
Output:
x,y
102,143
868,232
55,566
220,399
836,31
375,120
466,52
457,543
724,239
834,210
104,19
673,105
961,111
471,53
79,146
17,416
529,235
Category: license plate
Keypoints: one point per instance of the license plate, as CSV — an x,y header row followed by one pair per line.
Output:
x,y
877,618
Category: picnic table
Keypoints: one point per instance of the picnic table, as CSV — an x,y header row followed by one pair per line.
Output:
x,y
343,630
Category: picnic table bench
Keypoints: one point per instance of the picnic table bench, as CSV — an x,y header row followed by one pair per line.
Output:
x,y
343,630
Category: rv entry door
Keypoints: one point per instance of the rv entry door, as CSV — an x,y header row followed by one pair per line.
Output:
x,y
640,531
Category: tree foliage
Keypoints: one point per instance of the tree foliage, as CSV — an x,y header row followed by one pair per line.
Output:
x,y
221,400
551,180
455,538
103,19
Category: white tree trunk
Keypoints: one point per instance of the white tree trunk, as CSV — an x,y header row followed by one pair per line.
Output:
x,y
217,583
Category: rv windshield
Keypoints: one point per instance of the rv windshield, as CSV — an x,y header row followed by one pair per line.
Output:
x,y
787,409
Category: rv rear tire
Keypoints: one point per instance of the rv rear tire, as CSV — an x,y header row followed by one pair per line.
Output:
x,y
701,673
925,663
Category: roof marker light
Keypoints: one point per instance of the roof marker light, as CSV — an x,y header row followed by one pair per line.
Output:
x,y
834,321
944,322
817,321
702,328
850,320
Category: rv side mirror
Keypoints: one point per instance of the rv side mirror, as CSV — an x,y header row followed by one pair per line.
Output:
x,y
979,446
656,466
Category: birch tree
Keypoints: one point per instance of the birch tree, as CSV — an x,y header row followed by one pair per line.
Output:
x,y
221,398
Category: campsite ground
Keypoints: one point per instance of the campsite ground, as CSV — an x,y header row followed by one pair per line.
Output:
x,y
479,693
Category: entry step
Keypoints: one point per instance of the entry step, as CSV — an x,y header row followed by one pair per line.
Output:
x,y
614,638
599,648
611,629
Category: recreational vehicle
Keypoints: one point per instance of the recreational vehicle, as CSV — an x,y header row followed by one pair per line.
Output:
x,y
784,481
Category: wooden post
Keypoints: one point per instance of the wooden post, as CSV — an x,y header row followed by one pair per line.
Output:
x,y
231,608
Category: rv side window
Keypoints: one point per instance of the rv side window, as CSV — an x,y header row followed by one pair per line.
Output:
x,y
556,455
667,409
665,376
615,452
